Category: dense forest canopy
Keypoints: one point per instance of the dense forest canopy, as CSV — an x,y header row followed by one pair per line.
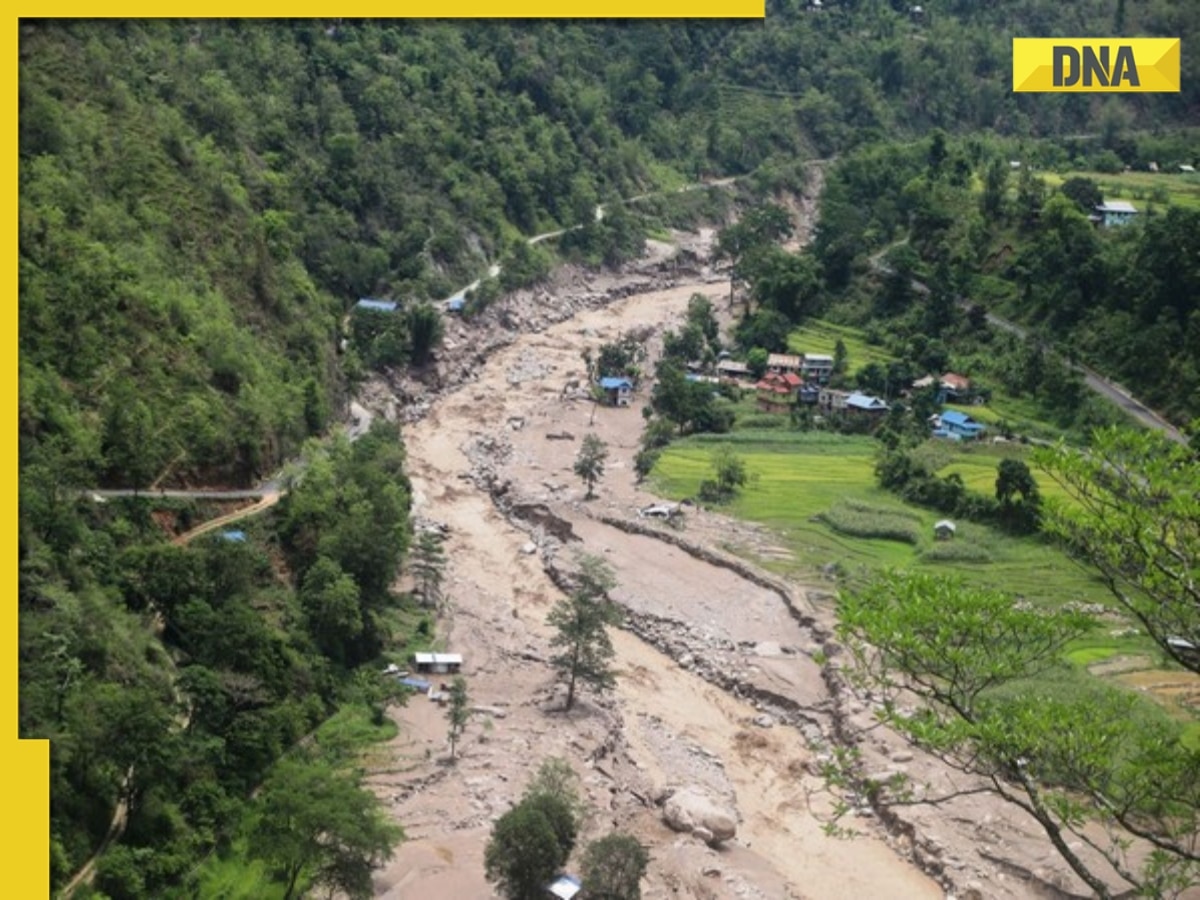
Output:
x,y
201,203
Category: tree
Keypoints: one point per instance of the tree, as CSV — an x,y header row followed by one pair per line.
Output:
x,y
556,777
428,565
458,713
744,242
613,867
529,844
840,357
1084,191
757,360
425,331
1135,516
729,476
983,668
580,620
589,462
1013,481
317,826
332,605
995,189
700,315
767,328
789,283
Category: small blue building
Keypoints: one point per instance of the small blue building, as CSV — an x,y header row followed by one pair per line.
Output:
x,y
617,391
958,425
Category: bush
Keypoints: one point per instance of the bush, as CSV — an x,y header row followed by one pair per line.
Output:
x,y
861,520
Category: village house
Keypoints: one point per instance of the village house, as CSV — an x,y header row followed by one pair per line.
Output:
x,y
957,426
617,391
952,388
1115,212
866,405
777,391
781,363
816,367
831,399
733,370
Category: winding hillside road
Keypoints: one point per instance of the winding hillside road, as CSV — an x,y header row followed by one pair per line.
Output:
x,y
1105,387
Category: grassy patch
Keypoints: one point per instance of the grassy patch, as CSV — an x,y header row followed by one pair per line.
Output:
x,y
977,466
818,336
956,551
351,731
1169,187
798,476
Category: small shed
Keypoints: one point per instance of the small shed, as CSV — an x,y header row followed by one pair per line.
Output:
x,y
564,887
438,663
420,685
233,537
617,391
944,530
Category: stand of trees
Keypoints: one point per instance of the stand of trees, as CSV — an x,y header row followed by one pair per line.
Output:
x,y
183,727
980,664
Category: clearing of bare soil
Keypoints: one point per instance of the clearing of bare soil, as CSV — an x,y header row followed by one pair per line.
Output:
x,y
723,682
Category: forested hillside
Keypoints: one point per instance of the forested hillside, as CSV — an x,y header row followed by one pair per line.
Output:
x,y
199,202
982,237
202,202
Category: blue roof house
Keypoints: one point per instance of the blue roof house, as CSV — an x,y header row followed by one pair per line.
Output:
x,y
617,391
959,425
865,403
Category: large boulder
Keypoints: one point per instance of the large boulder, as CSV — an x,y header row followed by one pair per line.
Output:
x,y
692,810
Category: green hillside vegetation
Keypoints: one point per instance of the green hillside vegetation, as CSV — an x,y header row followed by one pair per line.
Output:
x,y
202,202
1143,189
1123,300
819,336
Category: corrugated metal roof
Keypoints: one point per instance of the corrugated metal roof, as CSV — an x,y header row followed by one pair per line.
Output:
x,y
865,401
610,383
434,659
376,305
565,887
